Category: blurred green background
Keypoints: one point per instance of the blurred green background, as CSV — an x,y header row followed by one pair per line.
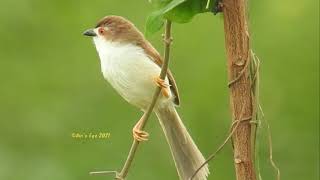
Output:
x,y
51,86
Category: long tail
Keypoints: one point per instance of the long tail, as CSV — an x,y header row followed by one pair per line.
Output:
x,y
186,154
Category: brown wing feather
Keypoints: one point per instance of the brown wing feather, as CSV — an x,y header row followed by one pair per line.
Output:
x,y
155,56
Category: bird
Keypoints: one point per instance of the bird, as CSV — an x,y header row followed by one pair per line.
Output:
x,y
132,66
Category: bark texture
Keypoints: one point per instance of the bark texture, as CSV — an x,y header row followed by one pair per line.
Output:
x,y
237,48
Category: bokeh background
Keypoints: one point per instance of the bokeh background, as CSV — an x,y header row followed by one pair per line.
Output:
x,y
51,87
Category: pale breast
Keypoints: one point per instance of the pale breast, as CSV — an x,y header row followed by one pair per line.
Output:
x,y
129,71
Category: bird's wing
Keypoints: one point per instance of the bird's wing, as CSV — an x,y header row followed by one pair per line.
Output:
x,y
155,56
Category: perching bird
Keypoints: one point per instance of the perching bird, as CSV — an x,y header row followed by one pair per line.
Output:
x,y
132,66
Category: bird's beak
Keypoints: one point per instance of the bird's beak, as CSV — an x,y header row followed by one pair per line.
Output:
x,y
89,32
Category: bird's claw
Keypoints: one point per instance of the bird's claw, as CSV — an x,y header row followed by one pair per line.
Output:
x,y
161,83
139,135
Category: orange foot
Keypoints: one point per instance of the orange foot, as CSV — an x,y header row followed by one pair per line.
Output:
x,y
138,134
163,85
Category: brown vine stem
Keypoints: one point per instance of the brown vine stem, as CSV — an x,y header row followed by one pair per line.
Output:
x,y
237,48
240,86
124,172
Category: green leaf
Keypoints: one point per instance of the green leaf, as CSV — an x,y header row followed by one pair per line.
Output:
x,y
187,10
172,5
154,23
155,20
180,11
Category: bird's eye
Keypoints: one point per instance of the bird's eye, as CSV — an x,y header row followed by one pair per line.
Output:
x,y
101,31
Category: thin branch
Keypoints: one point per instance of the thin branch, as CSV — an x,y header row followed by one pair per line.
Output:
x,y
124,172
276,168
103,172
255,91
233,128
254,75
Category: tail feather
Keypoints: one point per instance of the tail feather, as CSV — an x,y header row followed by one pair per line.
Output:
x,y
186,154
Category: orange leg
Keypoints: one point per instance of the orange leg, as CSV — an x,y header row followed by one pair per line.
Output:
x,y
163,85
138,134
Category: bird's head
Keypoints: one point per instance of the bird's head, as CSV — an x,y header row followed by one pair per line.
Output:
x,y
116,29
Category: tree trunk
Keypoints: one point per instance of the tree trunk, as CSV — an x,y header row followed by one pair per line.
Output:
x,y
237,48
